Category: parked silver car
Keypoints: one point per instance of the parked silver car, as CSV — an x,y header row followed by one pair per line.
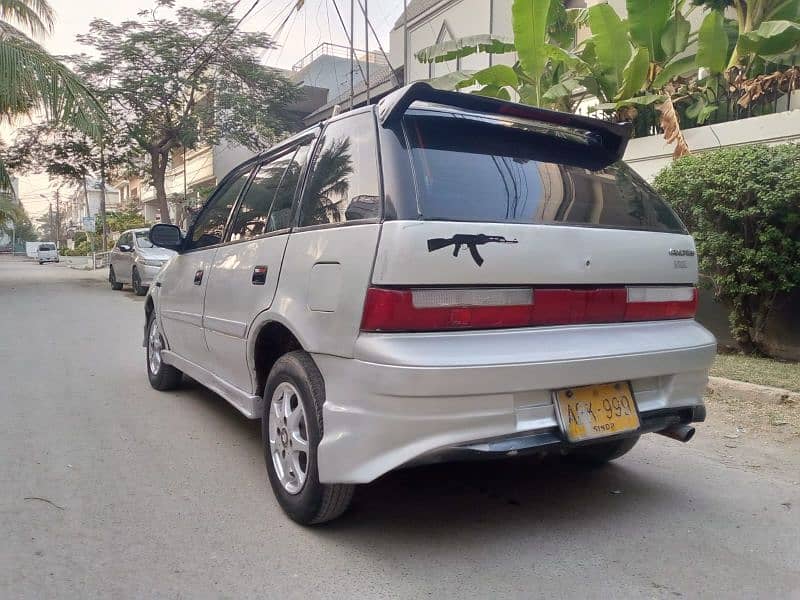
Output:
x,y
441,276
136,261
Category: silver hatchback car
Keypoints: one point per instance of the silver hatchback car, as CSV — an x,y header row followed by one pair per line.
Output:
x,y
437,277
136,261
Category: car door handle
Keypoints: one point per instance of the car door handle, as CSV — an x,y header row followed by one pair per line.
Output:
x,y
259,275
198,277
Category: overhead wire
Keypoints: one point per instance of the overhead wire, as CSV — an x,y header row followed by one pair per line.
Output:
x,y
349,38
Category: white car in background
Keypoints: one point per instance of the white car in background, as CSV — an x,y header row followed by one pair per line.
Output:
x,y
136,261
47,252
440,276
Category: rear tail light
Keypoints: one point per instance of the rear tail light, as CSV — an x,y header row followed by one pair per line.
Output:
x,y
438,309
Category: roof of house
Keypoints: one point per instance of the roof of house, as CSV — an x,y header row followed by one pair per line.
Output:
x,y
382,80
416,8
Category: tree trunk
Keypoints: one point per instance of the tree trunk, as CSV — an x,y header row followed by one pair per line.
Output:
x,y
86,196
743,325
158,170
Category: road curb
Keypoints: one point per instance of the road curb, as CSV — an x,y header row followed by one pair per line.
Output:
x,y
752,391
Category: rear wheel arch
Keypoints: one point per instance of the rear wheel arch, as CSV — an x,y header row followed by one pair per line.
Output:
x,y
270,341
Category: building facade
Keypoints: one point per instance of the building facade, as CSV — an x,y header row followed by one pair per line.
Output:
x,y
85,202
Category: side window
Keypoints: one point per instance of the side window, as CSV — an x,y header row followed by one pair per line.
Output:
x,y
124,240
343,184
267,204
210,225
281,215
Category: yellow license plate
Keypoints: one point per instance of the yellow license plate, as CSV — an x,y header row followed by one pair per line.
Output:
x,y
596,411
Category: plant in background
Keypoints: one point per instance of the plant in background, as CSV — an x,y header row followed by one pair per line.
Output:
x,y
742,205
32,81
643,68
122,220
184,80
763,31
543,34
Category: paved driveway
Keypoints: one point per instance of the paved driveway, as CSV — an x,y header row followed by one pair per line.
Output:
x,y
109,489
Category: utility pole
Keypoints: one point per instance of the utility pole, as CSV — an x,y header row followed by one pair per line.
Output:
x,y
366,41
352,53
103,196
58,218
406,74
50,232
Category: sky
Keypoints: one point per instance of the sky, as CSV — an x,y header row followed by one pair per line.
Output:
x,y
316,22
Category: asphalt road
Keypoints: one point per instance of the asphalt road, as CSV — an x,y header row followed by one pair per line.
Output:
x,y
109,489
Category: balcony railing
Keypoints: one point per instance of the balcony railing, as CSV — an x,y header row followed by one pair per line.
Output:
x,y
336,50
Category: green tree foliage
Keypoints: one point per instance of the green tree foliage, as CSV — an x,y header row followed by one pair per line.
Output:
x,y
743,207
647,61
25,232
187,76
34,82
69,156
123,220
764,28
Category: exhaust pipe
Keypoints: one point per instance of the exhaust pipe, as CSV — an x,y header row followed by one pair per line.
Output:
x,y
682,433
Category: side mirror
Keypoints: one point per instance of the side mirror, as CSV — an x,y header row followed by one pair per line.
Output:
x,y
166,236
124,248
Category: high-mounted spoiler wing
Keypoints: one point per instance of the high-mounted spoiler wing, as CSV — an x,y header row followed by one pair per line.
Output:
x,y
612,136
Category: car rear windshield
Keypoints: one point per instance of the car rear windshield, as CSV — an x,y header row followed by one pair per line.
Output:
x,y
47,247
472,170
143,239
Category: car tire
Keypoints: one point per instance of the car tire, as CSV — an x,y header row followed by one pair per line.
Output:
x,y
162,376
596,455
112,279
41,262
295,384
136,283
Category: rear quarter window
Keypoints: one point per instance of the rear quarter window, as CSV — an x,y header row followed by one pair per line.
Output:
x,y
474,170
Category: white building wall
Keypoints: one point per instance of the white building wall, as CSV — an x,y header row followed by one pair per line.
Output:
x,y
464,18
651,154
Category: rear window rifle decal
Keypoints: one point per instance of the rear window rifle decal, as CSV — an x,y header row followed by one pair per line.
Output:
x,y
470,241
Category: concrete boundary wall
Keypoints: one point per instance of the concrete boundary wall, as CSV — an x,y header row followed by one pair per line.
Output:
x,y
650,154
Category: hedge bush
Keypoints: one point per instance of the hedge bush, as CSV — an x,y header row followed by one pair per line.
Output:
x,y
742,205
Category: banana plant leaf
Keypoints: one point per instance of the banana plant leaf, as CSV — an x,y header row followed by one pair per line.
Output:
x,y
676,68
466,46
712,43
499,76
450,81
530,19
675,38
645,100
647,20
609,45
771,37
634,75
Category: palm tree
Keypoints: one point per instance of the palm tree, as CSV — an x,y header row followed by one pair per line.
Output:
x,y
32,81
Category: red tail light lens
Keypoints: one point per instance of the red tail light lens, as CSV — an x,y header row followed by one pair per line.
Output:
x,y
440,309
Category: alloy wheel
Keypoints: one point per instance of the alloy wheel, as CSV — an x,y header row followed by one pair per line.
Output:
x,y
288,437
154,347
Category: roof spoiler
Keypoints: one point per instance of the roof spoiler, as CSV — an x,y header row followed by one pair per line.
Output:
x,y
613,136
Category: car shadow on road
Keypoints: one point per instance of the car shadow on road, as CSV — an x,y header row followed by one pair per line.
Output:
x,y
508,494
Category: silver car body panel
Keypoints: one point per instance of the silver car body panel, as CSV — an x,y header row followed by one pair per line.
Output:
x,y
405,395
249,405
543,254
124,262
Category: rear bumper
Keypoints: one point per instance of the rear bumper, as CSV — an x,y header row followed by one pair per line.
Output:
x,y
409,398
